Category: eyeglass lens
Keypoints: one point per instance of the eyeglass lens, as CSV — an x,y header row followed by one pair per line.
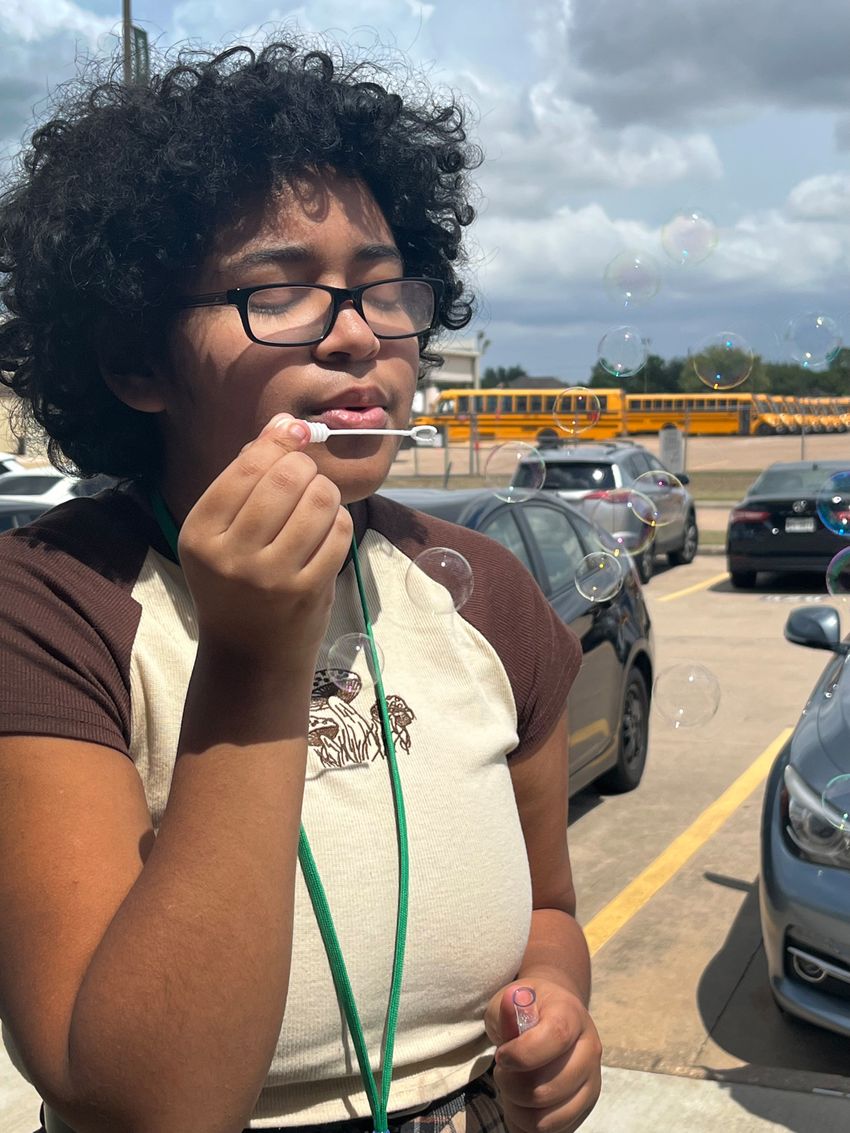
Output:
x,y
299,314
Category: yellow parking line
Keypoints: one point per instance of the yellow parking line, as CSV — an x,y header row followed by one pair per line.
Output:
x,y
696,586
630,900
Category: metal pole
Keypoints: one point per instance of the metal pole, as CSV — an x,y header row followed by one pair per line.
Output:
x,y
127,32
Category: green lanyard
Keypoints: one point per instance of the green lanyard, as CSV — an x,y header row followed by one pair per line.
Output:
x,y
377,1104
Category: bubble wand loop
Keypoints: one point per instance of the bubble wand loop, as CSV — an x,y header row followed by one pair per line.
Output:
x,y
422,434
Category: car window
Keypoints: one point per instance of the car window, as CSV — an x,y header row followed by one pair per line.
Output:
x,y
804,480
502,527
560,547
571,476
24,484
644,463
11,519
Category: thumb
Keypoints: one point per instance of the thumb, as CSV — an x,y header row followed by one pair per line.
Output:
x,y
500,1020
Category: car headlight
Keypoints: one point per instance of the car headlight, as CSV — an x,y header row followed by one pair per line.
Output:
x,y
808,826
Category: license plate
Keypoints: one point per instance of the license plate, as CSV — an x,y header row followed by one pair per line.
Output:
x,y
801,523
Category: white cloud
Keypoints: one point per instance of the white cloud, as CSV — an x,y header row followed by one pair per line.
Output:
x,y
826,197
33,20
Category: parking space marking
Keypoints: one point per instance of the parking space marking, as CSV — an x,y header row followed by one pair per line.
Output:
x,y
637,893
697,586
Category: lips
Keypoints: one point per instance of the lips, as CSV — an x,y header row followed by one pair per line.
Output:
x,y
354,417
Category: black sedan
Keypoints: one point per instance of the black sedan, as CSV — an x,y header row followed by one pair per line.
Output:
x,y
804,885
609,701
776,527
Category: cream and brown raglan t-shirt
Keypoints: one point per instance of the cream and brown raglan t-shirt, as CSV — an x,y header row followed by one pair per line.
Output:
x,y
97,643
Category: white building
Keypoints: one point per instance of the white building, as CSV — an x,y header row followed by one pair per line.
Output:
x,y
461,368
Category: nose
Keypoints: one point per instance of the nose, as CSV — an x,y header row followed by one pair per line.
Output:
x,y
350,335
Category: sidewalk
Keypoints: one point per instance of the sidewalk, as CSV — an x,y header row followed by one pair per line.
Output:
x,y
633,1101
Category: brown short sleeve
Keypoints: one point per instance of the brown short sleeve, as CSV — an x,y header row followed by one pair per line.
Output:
x,y
67,624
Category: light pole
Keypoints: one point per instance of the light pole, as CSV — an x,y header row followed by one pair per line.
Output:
x,y
127,32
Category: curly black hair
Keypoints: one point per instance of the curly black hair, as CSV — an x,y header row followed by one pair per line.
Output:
x,y
122,193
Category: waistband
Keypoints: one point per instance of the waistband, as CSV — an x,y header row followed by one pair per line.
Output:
x,y
480,1094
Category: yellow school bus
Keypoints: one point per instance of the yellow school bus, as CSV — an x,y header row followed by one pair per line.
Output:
x,y
536,416
700,414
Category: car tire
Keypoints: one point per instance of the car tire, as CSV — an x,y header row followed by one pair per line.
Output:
x,y
627,772
688,551
743,579
764,430
645,563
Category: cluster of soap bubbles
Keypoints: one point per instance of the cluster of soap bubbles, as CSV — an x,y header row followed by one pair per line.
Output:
x,y
832,502
721,361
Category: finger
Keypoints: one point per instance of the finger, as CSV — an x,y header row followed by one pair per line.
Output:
x,y
274,499
546,1086
563,1118
329,554
223,499
317,515
553,1035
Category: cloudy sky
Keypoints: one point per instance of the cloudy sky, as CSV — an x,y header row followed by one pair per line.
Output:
x,y
600,121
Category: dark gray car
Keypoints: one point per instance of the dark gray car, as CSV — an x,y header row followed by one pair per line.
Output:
x,y
804,890
597,476
609,702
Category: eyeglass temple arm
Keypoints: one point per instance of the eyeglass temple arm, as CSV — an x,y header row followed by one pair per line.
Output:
x,y
211,299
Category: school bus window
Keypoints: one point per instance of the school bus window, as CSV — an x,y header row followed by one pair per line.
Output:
x,y
520,404
463,405
548,404
446,408
603,403
491,404
536,404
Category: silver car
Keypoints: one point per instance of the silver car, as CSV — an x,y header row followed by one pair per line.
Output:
x,y
804,889
600,479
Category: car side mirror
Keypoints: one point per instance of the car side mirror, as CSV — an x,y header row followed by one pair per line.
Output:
x,y
683,478
817,627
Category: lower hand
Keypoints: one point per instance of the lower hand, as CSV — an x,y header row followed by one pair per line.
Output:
x,y
548,1078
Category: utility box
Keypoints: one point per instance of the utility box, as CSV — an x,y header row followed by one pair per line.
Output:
x,y
672,447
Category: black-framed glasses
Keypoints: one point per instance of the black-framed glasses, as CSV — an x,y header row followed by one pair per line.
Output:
x,y
302,314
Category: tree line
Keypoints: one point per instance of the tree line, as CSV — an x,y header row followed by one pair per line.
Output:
x,y
677,375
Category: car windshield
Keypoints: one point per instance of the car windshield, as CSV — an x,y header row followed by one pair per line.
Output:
x,y
794,480
27,484
575,476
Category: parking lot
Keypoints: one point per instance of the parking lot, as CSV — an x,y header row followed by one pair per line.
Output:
x,y
667,882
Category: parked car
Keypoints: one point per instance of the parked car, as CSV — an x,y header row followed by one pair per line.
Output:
x,y
591,474
804,890
49,486
16,514
9,463
610,699
776,527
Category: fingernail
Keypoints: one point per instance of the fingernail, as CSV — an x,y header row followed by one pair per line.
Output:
x,y
278,420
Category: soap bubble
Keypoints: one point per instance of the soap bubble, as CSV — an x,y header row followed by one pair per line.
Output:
x,y
627,515
838,574
689,237
665,492
598,576
833,503
812,339
623,352
723,361
514,471
686,695
632,278
836,802
349,658
576,410
439,580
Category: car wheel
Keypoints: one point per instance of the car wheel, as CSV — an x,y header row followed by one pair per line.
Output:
x,y
743,579
627,773
688,551
645,563
764,430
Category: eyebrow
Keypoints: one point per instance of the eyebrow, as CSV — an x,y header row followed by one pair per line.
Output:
x,y
298,253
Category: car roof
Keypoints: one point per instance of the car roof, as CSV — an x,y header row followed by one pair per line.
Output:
x,y
466,506
600,452
804,465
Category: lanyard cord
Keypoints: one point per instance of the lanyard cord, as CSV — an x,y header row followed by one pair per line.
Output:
x,y
318,897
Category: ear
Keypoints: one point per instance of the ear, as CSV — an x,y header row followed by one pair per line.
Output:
x,y
132,380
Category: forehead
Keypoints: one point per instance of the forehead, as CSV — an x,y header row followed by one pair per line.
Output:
x,y
327,213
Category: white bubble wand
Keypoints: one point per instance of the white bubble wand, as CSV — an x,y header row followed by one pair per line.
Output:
x,y
422,434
